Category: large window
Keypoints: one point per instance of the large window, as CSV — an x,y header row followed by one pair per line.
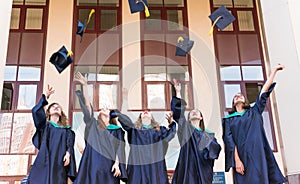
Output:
x,y
159,34
22,86
240,57
98,54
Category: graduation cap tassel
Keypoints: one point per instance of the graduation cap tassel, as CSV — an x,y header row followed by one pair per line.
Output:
x,y
147,13
70,53
212,27
180,39
89,18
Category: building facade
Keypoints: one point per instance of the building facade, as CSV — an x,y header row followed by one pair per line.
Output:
x,y
124,53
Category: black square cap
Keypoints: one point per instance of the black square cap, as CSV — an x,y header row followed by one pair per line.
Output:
x,y
221,17
138,6
81,27
61,59
184,45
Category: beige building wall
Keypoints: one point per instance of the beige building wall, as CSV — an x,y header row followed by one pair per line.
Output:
x,y
59,33
5,12
282,36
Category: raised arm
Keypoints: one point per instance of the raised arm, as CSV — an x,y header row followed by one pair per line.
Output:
x,y
178,105
266,90
83,81
270,79
124,120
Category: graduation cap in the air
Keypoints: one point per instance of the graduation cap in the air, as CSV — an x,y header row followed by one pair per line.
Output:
x,y
61,59
81,27
184,45
138,6
221,18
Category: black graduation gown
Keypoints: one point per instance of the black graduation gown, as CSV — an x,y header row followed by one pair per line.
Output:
x,y
148,147
52,142
100,152
246,132
198,149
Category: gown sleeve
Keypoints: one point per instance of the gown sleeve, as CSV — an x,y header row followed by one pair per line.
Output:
x,y
168,134
121,155
262,98
185,129
229,145
87,116
71,172
213,149
39,119
125,121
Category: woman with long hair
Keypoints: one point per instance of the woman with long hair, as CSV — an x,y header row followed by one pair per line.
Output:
x,y
199,147
148,146
103,159
247,149
54,139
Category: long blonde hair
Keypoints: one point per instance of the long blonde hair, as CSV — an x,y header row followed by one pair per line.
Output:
x,y
63,119
138,123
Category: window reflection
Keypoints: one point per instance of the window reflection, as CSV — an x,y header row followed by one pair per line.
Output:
x,y
252,90
5,132
34,18
90,71
35,2
27,97
7,96
108,73
218,3
29,73
154,23
230,73
230,90
155,73
178,72
108,96
156,96
252,73
108,19
174,3
15,18
10,73
245,20
175,19
23,130
86,2
243,3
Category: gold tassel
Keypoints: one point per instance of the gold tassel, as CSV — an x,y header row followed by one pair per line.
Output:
x,y
212,27
89,18
70,53
180,39
147,13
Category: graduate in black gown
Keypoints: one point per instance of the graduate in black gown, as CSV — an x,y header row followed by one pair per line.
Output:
x,y
54,139
103,159
247,149
148,146
199,147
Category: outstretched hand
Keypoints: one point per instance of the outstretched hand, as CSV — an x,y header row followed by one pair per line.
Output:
x,y
49,91
279,67
177,85
80,78
169,117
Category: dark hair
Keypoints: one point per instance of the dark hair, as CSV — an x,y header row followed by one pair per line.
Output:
x,y
63,120
138,123
245,106
201,123
101,123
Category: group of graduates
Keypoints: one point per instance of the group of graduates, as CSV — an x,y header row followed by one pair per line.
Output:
x,y
103,161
